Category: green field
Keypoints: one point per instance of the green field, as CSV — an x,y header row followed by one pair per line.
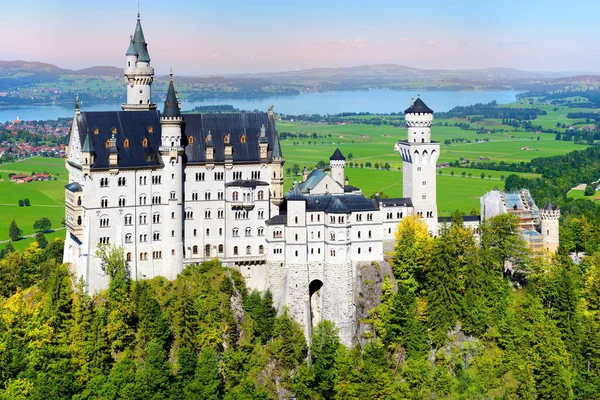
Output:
x,y
375,144
580,194
46,197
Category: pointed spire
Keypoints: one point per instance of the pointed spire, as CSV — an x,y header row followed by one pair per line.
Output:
x,y
131,51
171,109
141,47
337,156
276,147
87,144
138,10
418,107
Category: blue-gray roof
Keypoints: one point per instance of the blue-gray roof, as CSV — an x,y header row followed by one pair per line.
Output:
x,y
141,47
171,109
73,187
337,156
339,203
312,180
131,51
395,202
277,220
135,126
418,107
295,194
246,183
237,126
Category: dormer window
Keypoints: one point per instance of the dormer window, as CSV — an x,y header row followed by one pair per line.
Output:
x,y
150,129
96,131
243,138
114,131
107,143
191,139
126,142
226,138
145,142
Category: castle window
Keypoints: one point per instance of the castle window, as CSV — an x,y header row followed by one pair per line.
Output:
x,y
143,238
121,181
143,200
121,201
235,232
114,131
312,217
191,139
128,219
261,231
156,218
107,143
399,215
195,232
207,232
389,230
128,256
96,131
145,142
418,168
207,196
220,248
424,183
424,196
104,202
243,139
220,213
207,214
261,249
359,234
207,250
156,236
235,196
248,250
200,176
219,195
296,219
261,195
156,199
142,219
296,237
370,234
277,234
104,222
172,194
235,250
248,232
296,253
195,196
369,250
261,214
189,214
359,250
79,220
195,250
359,217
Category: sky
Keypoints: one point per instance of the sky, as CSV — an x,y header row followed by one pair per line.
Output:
x,y
197,37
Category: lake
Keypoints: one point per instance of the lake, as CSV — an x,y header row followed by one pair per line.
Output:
x,y
375,101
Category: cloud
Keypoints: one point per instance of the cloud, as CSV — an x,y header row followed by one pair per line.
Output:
x,y
359,43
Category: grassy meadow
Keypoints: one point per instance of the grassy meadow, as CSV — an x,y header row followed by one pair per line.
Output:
x,y
375,144
46,197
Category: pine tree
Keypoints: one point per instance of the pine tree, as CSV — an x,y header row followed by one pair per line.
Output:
x,y
207,384
413,244
324,348
289,345
14,232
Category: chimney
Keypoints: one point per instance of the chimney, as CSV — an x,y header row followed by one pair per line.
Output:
x,y
412,101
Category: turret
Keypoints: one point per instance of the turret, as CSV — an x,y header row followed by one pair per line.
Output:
x,y
228,151
138,73
549,216
418,119
87,154
171,152
337,163
277,167
209,149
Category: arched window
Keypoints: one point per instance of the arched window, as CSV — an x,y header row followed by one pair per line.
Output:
x,y
128,219
142,219
145,142
207,214
243,139
235,250
207,250
261,214
128,256
235,196
220,248
370,234
261,195
104,202
235,232
261,249
248,250
190,139
261,231
79,220
121,201
195,250
156,218
207,196
195,232
126,143
248,232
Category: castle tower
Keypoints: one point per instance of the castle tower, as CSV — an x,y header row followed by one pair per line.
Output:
x,y
419,157
277,171
550,215
138,73
171,152
337,162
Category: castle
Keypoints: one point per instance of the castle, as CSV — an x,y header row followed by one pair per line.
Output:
x,y
174,189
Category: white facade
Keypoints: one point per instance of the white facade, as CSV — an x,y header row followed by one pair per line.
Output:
x,y
171,193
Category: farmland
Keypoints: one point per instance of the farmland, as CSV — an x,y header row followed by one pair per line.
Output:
x,y
46,197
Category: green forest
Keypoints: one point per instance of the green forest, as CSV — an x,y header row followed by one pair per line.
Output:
x,y
451,324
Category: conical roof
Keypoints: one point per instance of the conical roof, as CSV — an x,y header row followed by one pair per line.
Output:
x,y
87,144
141,47
337,156
131,50
418,107
549,206
337,206
276,147
171,109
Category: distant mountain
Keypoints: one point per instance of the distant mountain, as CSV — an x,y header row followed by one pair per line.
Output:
x,y
100,71
8,68
402,72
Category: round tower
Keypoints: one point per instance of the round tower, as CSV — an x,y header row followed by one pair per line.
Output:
x,y
171,152
419,157
549,216
337,163
138,73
